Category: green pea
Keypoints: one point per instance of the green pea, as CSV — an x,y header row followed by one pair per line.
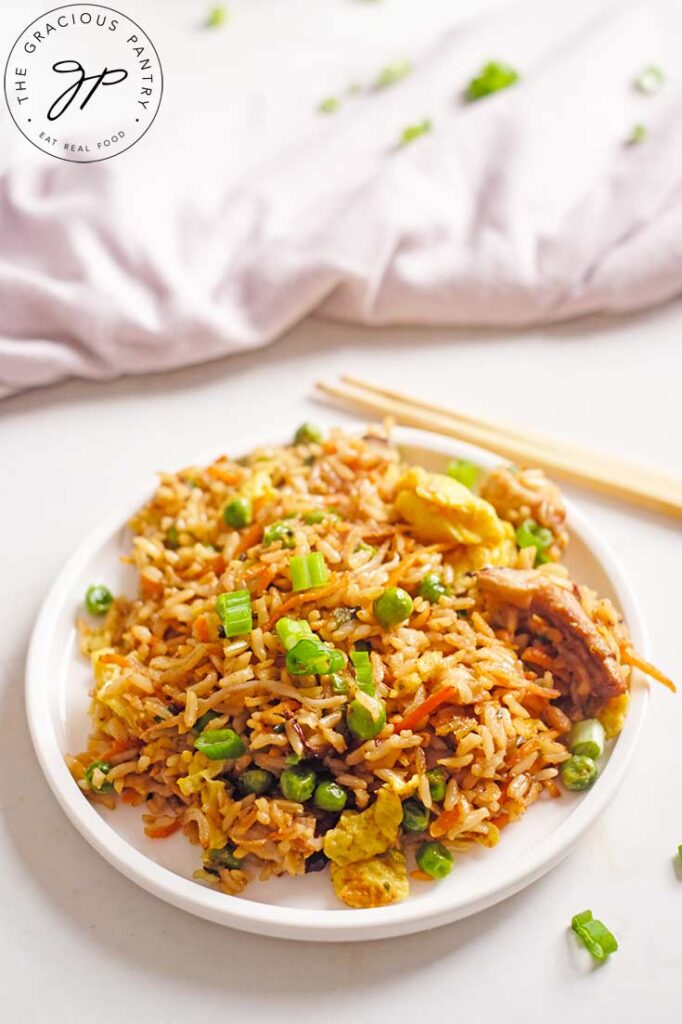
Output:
x,y
579,772
172,540
104,767
256,780
531,535
415,816
434,859
318,515
436,779
225,858
98,599
338,683
298,782
279,531
392,607
220,744
238,513
203,720
463,471
432,588
308,433
362,724
329,796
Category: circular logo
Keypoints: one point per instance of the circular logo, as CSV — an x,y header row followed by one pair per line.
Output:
x,y
83,82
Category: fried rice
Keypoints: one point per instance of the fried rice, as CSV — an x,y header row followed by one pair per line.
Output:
x,y
483,682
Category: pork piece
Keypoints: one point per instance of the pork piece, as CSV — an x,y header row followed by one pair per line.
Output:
x,y
519,494
595,674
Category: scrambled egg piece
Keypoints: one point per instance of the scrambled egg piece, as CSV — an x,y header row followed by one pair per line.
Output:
x,y
107,678
613,715
258,487
363,835
472,558
441,509
372,883
200,771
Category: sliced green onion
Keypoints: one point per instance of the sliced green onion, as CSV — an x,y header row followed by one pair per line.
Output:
x,y
587,738
330,105
310,656
364,674
225,858
596,936
172,539
290,631
491,78
220,744
649,80
217,17
414,131
531,535
679,853
103,767
463,471
308,571
578,773
281,531
203,720
234,610
393,73
637,135
339,684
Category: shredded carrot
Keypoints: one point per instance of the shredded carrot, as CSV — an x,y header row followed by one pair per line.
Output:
x,y
421,876
424,709
164,830
543,692
131,796
150,588
538,658
201,629
114,659
266,579
248,539
228,476
500,820
254,570
298,599
444,822
117,747
631,657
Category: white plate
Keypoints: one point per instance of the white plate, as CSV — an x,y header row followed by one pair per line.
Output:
x,y
57,684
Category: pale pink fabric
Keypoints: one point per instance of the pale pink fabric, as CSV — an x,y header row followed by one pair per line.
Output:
x,y
524,207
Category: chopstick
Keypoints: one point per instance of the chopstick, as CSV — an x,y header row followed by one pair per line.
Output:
x,y
644,487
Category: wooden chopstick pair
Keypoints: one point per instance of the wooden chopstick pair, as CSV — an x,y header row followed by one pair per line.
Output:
x,y
648,488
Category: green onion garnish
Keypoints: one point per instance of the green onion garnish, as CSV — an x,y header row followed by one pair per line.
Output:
x,y
363,671
393,73
679,853
463,471
308,571
217,17
491,78
637,135
329,105
587,738
290,631
413,131
234,610
279,531
102,768
595,935
649,80
531,535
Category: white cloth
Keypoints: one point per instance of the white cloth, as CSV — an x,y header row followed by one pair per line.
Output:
x,y
207,238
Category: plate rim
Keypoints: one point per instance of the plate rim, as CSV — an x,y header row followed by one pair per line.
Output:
x,y
299,922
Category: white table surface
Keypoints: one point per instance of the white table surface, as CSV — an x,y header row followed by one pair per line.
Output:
x,y
78,942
